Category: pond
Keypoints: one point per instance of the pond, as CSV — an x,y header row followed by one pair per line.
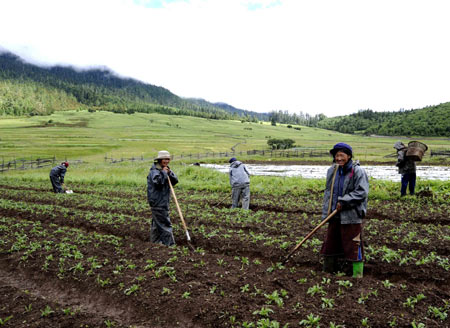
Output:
x,y
319,171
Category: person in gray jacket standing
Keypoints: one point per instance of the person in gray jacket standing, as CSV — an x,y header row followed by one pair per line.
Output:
x,y
158,195
240,184
57,177
347,190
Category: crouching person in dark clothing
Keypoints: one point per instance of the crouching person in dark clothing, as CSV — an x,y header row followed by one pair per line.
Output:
x,y
57,177
347,189
158,194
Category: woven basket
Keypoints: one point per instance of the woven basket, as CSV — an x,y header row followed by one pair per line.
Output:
x,y
416,150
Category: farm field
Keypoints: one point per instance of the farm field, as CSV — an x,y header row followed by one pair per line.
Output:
x,y
91,136
85,260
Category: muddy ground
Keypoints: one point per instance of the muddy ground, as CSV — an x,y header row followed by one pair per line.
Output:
x,y
234,278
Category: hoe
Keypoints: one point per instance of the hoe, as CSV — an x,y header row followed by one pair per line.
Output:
x,y
309,235
181,217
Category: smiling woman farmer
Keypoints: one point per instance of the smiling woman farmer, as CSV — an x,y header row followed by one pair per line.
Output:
x,y
158,194
347,189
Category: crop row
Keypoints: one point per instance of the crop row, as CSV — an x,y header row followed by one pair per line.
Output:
x,y
138,271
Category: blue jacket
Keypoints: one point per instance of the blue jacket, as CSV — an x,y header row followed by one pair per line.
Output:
x,y
351,188
59,172
158,189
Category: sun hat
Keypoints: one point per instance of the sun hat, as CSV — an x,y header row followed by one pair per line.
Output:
x,y
163,154
341,147
232,159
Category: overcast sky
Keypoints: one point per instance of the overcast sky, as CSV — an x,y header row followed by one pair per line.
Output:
x,y
318,56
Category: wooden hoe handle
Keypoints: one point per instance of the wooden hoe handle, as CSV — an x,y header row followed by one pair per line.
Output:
x,y
179,211
310,234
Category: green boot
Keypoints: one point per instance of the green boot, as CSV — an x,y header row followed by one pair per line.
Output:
x,y
358,269
330,264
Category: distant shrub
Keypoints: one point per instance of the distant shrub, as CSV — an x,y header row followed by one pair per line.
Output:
x,y
280,143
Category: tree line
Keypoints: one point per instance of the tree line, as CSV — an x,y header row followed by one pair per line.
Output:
x,y
33,90
428,121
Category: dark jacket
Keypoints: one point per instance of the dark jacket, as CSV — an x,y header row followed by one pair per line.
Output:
x,y
353,189
239,174
158,189
405,164
59,172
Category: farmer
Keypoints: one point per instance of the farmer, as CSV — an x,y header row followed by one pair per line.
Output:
x,y
158,194
347,188
406,167
240,183
57,177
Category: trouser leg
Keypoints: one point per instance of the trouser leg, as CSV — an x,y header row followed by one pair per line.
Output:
x,y
57,188
405,178
330,264
246,197
161,228
235,196
412,183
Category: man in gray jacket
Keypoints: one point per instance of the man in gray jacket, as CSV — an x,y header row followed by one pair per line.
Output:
x,y
158,195
240,184
347,190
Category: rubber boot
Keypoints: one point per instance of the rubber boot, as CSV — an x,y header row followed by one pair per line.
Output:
x,y
358,269
330,264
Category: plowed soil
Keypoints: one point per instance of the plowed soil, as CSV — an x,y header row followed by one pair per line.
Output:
x,y
235,276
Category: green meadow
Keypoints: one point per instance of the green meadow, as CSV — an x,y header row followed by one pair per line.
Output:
x,y
91,136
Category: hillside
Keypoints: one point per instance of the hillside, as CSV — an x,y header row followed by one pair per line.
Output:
x,y
29,89
428,121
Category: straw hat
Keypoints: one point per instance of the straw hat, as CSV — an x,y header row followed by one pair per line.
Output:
x,y
163,154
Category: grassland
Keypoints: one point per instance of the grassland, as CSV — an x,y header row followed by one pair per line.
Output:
x,y
90,136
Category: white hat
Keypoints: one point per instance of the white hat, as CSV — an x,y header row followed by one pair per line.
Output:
x,y
163,154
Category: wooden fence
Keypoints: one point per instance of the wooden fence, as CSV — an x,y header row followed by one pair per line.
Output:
x,y
290,153
440,152
30,163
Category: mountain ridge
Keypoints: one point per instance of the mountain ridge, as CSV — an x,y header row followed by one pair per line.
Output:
x,y
102,88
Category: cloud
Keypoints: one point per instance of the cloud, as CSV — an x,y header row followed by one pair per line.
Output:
x,y
324,56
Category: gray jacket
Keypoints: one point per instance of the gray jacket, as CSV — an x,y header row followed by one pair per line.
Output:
x,y
158,189
239,175
354,195
59,172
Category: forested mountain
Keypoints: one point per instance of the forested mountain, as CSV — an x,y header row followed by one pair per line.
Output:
x,y
27,89
428,121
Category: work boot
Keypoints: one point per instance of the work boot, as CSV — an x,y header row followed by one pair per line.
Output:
x,y
330,264
358,269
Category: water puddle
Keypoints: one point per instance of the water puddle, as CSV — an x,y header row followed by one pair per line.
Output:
x,y
319,171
